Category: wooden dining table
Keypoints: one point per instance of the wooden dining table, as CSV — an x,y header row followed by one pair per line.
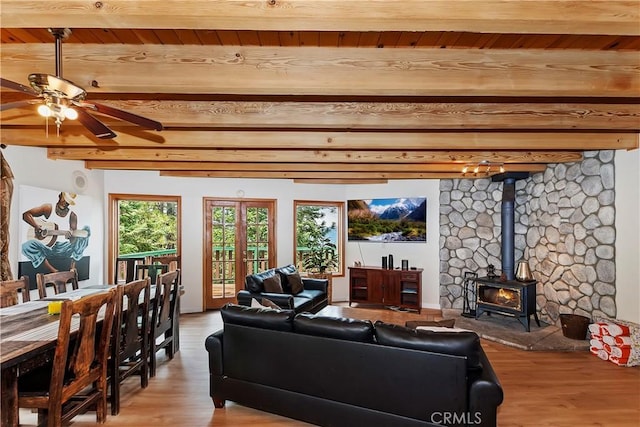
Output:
x,y
28,337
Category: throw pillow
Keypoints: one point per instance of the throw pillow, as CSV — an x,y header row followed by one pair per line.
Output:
x,y
445,323
272,284
268,303
441,329
622,332
296,283
263,303
256,304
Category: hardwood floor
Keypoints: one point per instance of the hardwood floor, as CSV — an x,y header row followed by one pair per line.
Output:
x,y
540,388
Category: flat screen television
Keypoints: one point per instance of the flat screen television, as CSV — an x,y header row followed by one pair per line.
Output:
x,y
387,220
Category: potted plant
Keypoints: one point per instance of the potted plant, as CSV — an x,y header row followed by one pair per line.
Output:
x,y
321,256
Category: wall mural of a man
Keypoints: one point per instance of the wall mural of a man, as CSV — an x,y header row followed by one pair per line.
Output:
x,y
53,234
59,221
6,194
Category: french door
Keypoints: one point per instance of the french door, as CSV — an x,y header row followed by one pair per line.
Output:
x,y
239,240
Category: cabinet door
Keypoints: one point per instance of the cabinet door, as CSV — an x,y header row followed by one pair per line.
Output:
x,y
358,285
374,280
391,283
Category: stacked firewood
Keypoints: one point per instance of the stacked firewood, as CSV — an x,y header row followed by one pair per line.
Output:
x,y
614,341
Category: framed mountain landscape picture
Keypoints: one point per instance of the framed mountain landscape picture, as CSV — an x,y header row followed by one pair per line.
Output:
x,y
387,220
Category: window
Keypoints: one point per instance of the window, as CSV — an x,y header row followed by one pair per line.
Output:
x,y
319,237
142,227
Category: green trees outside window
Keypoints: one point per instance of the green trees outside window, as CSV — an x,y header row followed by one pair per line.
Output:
x,y
319,236
146,226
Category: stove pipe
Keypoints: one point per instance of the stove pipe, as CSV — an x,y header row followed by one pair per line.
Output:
x,y
508,225
508,219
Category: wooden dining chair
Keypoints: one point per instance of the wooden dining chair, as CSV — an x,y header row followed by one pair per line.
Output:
x,y
9,290
173,261
60,282
76,381
126,269
150,270
163,317
130,352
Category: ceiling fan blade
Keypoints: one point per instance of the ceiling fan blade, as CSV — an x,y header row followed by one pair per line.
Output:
x,y
18,104
17,87
96,127
124,115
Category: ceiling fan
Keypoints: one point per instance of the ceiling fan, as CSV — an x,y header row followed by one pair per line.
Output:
x,y
62,99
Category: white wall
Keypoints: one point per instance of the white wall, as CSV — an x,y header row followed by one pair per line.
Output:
x,y
628,235
285,192
193,190
31,167
420,255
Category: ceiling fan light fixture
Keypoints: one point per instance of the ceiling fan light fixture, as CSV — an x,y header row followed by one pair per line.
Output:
x,y
70,113
45,111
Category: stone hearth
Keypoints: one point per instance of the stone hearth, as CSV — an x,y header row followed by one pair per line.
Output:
x,y
508,331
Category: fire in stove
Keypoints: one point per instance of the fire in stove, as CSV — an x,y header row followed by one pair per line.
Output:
x,y
502,297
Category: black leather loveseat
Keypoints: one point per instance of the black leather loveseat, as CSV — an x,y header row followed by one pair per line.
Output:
x,y
310,297
345,372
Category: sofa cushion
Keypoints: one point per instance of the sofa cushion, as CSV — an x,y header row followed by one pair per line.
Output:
x,y
295,282
265,318
301,304
311,294
466,344
334,327
284,272
254,283
273,284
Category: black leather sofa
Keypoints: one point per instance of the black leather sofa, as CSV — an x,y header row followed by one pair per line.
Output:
x,y
345,372
311,299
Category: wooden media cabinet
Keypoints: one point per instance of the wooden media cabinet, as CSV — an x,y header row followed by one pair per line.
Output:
x,y
394,288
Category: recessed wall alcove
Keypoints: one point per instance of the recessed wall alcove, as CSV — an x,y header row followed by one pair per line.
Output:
x,y
564,228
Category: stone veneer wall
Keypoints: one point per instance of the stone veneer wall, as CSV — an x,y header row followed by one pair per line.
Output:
x,y
564,228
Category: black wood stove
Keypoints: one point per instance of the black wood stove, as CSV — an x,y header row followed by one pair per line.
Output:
x,y
508,297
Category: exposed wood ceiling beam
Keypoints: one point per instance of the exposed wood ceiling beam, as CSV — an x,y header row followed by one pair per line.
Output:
x,y
340,181
323,175
162,69
303,167
314,156
324,140
453,113
542,16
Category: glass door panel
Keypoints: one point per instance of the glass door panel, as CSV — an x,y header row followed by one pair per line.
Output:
x,y
232,228
257,255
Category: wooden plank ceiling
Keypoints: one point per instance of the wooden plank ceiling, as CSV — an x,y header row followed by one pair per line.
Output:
x,y
333,91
